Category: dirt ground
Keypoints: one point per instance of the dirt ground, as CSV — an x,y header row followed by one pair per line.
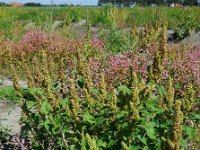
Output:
x,y
10,113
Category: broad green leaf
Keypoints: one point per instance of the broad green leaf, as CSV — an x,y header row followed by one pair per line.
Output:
x,y
101,143
45,107
81,81
46,124
184,143
142,139
150,103
36,91
166,124
74,72
64,102
30,104
94,91
125,125
151,85
83,142
189,131
196,116
134,147
151,133
161,90
55,130
153,96
121,114
99,121
88,118
124,89
110,143
149,127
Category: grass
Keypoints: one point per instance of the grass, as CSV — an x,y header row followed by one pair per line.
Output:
x,y
125,86
8,93
11,19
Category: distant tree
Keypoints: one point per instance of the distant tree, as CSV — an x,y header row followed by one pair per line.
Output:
x,y
147,2
116,1
3,4
32,4
190,2
175,1
198,1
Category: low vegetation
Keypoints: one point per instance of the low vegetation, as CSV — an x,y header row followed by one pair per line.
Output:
x,y
117,90
13,20
8,94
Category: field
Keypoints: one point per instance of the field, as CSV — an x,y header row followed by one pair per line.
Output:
x,y
100,78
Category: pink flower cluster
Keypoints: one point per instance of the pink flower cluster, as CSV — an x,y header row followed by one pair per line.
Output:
x,y
183,67
186,67
117,67
97,43
36,39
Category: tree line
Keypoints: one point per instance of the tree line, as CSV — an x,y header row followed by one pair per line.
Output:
x,y
148,2
139,2
31,4
2,4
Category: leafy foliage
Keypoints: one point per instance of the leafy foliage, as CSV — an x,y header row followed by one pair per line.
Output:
x,y
88,116
87,94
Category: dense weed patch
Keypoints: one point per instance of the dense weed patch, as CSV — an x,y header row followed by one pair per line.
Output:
x,y
118,91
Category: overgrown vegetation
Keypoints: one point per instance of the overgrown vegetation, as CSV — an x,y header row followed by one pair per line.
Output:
x,y
14,19
119,90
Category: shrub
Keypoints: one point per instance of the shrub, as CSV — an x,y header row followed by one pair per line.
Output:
x,y
73,113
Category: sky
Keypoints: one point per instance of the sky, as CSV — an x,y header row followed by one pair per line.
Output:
x,y
75,2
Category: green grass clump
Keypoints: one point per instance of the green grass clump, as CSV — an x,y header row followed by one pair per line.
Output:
x,y
44,17
8,93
